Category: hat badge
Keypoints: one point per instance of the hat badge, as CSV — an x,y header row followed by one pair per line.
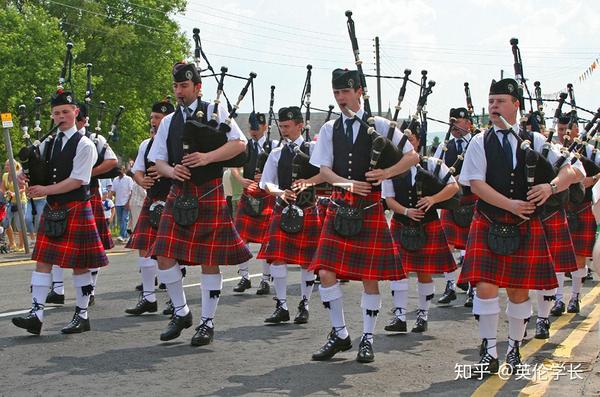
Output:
x,y
290,115
163,109
69,99
462,114
350,83
189,74
510,87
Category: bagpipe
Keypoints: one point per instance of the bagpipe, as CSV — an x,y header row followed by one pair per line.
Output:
x,y
204,137
268,144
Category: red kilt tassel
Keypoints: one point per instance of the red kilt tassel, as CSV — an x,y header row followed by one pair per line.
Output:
x,y
583,237
559,242
252,229
370,255
456,235
434,258
211,241
101,223
144,235
297,249
79,247
530,267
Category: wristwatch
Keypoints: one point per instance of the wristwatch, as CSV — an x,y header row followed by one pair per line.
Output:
x,y
553,187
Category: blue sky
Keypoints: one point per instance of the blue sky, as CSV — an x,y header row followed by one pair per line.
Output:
x,y
456,41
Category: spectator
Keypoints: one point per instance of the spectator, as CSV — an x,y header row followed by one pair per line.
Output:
x,y
8,190
138,195
122,188
109,207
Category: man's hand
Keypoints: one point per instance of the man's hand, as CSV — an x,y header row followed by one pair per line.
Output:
x,y
300,185
288,195
360,188
415,214
377,176
147,182
246,182
425,203
196,159
257,177
538,194
37,191
181,173
589,182
152,172
521,208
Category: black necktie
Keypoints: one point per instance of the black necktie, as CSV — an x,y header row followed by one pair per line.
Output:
x,y
459,148
291,147
508,154
256,147
349,131
57,144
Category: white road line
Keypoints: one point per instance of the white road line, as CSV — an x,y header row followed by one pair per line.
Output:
x,y
16,313
226,280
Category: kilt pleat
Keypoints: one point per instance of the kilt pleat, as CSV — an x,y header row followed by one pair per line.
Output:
x,y
434,258
583,238
144,235
456,235
370,255
298,248
559,242
252,229
530,267
79,247
101,223
211,241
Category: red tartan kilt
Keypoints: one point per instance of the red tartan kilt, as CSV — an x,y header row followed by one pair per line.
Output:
x,y
434,258
144,235
211,241
322,204
79,247
370,255
253,229
559,242
101,223
456,235
531,267
583,239
297,249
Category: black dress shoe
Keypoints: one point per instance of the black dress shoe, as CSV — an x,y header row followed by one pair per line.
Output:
x,y
470,297
242,285
31,323
302,317
92,300
487,364
203,336
168,311
449,294
279,315
140,287
542,329
558,309
463,286
420,325
573,306
264,288
77,324
143,306
396,325
333,345
365,351
588,276
513,359
175,326
55,298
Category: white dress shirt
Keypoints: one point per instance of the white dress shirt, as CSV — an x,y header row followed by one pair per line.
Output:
x,y
159,147
269,175
466,139
122,186
323,155
139,164
85,156
387,186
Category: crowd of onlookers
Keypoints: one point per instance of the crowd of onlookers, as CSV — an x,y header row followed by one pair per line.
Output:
x,y
122,200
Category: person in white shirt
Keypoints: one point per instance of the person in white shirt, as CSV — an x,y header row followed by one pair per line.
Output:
x,y
122,187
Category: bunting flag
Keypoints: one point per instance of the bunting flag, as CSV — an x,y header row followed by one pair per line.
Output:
x,y
588,72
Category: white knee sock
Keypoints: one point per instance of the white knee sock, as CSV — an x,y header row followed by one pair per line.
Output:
x,y
174,282
243,270
279,274
332,300
400,297
545,300
58,279
518,315
266,271
94,273
83,290
211,286
370,303
307,280
149,270
487,311
560,276
450,276
576,281
40,286
426,291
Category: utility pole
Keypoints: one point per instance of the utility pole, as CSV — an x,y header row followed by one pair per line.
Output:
x,y
378,73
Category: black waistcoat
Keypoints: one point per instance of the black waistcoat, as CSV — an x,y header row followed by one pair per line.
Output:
x,y
451,153
406,193
351,162
284,165
510,183
161,186
60,168
250,166
202,174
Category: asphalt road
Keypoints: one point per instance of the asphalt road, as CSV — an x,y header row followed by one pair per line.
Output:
x,y
123,354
